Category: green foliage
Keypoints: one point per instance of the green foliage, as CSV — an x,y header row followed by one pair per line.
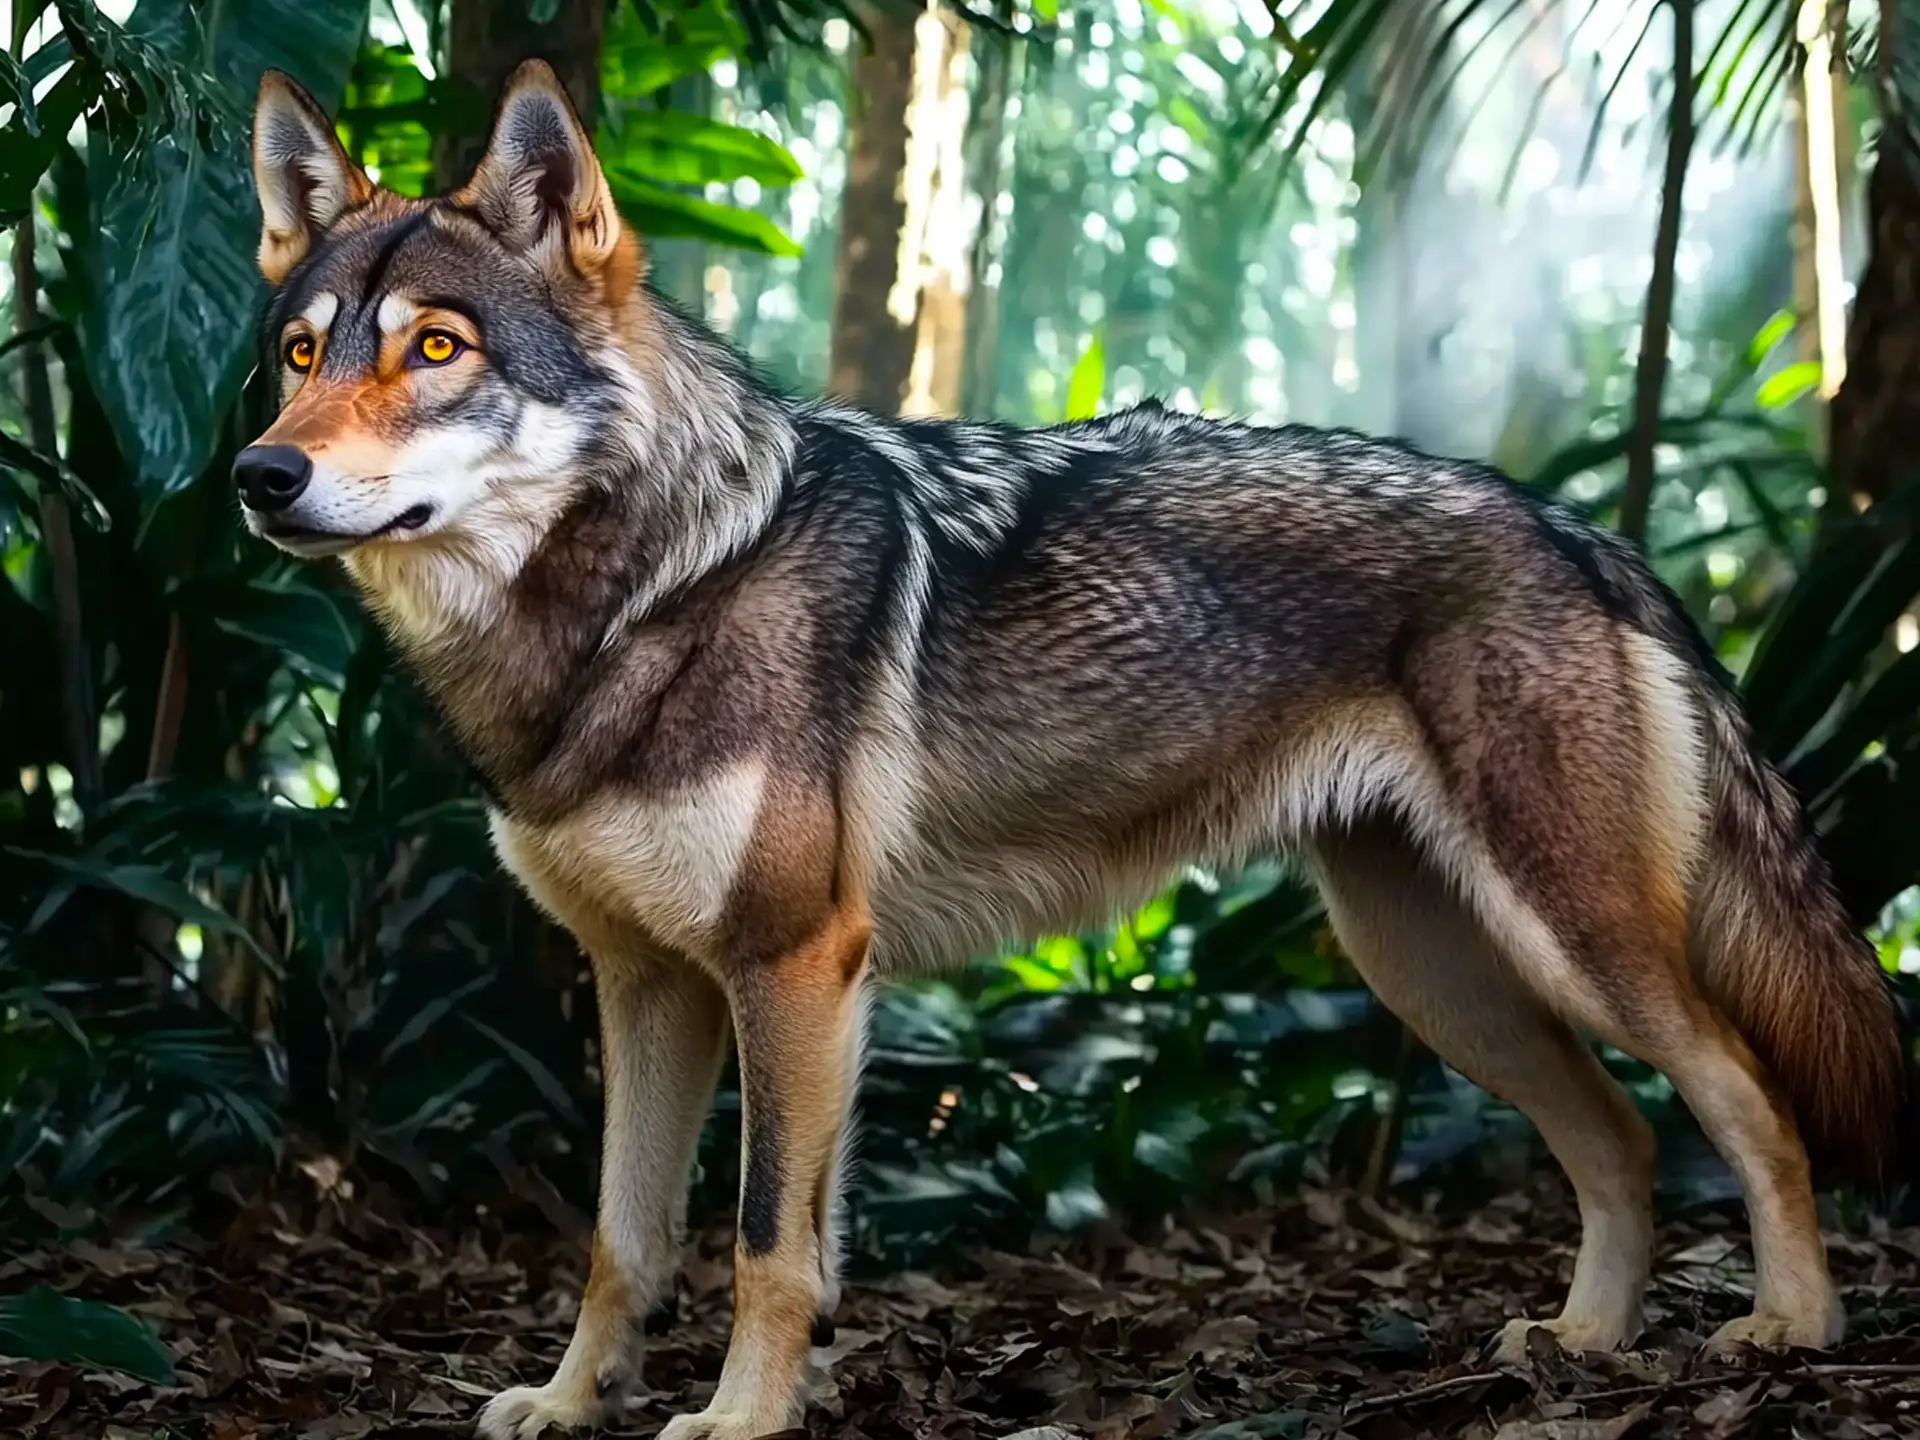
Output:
x,y
43,1324
658,211
1088,379
208,958
1788,385
679,149
1742,77
118,79
659,160
165,248
281,934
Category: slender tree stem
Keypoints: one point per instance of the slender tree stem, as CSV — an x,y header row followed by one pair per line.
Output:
x,y
1651,373
171,707
870,352
56,531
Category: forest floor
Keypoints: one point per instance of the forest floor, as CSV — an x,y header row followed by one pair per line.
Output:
x,y
1330,1316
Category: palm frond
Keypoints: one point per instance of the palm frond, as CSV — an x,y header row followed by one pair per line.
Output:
x,y
1330,44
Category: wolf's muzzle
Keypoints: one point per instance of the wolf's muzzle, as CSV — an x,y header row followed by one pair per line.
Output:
x,y
271,477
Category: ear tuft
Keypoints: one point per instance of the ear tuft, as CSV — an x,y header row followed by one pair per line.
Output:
x,y
304,179
539,186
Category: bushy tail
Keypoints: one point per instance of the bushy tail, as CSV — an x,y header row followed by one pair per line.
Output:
x,y
1780,955
1776,949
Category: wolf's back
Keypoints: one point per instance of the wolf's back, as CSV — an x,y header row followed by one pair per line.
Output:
x,y
1773,945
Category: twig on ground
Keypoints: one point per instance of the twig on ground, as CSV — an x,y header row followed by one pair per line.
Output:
x,y
1693,1382
1427,1392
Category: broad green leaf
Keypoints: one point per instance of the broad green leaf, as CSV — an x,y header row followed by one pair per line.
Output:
x,y
43,1324
642,69
658,212
1088,380
305,625
148,883
17,455
1032,974
1779,325
1075,1205
166,332
1788,384
16,88
675,148
24,156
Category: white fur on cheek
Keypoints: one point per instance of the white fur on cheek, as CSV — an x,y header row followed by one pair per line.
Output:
x,y
549,438
491,505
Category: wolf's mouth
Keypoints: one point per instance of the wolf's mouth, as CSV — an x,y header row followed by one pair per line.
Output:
x,y
306,540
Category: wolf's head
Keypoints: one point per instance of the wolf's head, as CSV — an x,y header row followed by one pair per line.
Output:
x,y
469,382
447,369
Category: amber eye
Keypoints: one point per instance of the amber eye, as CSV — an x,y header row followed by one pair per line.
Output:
x,y
437,347
300,354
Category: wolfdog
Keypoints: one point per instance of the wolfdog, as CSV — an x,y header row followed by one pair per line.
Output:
x,y
774,699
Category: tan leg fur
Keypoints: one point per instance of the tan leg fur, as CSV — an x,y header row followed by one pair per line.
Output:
x,y
663,1027
1433,964
796,1017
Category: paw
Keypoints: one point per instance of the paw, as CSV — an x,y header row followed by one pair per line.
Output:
x,y
529,1410
1818,1329
725,1425
1575,1335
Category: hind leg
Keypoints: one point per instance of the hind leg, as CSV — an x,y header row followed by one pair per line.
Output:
x,y
1432,964
1635,991
1794,1301
1570,807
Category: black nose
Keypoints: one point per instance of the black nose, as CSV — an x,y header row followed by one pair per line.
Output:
x,y
271,477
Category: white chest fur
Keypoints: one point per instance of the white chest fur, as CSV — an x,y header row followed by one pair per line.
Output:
x,y
664,864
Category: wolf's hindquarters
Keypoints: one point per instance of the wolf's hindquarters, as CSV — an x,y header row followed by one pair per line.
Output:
x,y
1773,947
1567,810
1779,954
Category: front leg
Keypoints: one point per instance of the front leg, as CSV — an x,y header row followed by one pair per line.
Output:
x,y
663,1034
797,1019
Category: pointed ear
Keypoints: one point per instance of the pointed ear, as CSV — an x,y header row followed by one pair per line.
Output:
x,y
304,178
539,187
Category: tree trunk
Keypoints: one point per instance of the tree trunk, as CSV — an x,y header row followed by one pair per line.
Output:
x,y
871,351
1650,375
1876,414
486,39
1822,160
934,246
987,139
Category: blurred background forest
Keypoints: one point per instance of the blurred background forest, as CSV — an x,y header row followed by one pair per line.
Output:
x,y
1660,257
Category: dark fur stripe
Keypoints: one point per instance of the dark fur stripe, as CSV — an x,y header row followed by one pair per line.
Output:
x,y
764,1184
403,231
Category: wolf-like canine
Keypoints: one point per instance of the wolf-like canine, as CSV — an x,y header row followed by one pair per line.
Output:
x,y
772,699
